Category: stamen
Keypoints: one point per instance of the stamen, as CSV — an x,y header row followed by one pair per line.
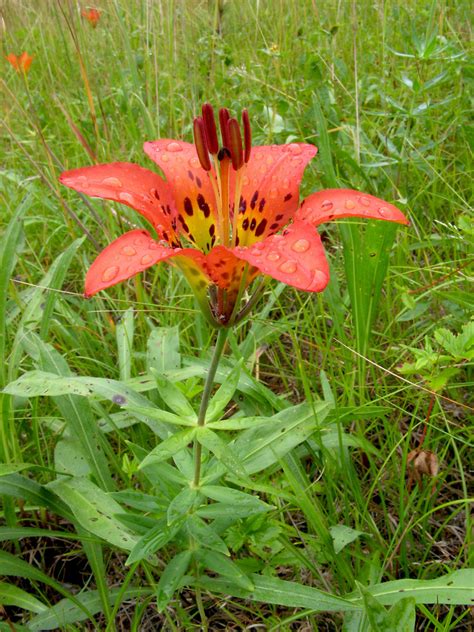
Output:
x,y
210,128
201,144
247,135
235,140
224,116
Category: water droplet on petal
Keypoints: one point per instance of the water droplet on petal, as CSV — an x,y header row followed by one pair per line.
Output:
x,y
286,183
113,182
128,251
295,149
301,245
273,193
320,277
245,180
81,180
273,256
383,211
110,273
349,205
164,157
146,259
194,162
364,201
259,245
327,205
126,197
270,160
288,267
154,246
174,147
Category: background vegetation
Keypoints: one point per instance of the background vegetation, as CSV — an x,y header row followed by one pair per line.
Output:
x,y
382,87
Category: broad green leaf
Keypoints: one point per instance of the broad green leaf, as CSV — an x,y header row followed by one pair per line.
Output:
x,y
69,458
146,413
11,468
400,617
342,536
239,423
234,497
19,486
181,504
221,564
152,541
163,349
13,596
94,510
171,577
205,534
224,394
173,396
454,589
226,510
280,592
221,450
124,337
169,447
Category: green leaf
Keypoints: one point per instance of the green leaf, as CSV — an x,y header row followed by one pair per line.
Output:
x,y
13,596
224,394
400,617
173,396
171,578
235,497
225,510
124,337
69,458
181,504
10,468
19,486
152,541
146,413
454,589
342,536
169,447
94,510
239,423
221,564
163,349
205,534
221,450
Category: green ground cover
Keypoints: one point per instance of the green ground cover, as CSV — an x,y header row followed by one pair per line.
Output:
x,y
382,489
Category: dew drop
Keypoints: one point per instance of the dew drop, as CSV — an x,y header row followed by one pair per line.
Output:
x,y
174,147
301,245
288,267
273,193
113,182
128,251
126,197
364,201
270,160
164,158
295,149
194,162
320,278
286,183
383,211
327,205
110,273
245,180
349,204
146,259
81,180
273,256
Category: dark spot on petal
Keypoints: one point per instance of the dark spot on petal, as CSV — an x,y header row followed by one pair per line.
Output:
x,y
261,205
278,218
245,223
261,228
253,223
237,241
188,206
274,226
203,205
155,194
194,271
254,199
191,175
225,276
285,232
287,197
198,182
165,236
212,230
242,205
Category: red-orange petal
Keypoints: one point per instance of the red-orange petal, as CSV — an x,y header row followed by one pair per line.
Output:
x,y
129,184
270,191
330,204
128,255
296,257
191,188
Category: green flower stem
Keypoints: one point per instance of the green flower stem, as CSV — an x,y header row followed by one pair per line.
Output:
x,y
206,396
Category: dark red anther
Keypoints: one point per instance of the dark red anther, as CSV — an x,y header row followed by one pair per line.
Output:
x,y
224,116
210,128
247,135
235,140
201,144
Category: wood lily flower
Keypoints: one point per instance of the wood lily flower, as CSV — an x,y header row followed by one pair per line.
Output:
x,y
20,63
219,213
91,15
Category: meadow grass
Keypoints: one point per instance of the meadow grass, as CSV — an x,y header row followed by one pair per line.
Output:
x,y
383,89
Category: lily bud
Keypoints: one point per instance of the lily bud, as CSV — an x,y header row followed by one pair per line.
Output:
x,y
201,144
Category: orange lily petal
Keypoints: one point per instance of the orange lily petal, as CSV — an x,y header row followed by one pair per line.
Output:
x,y
130,184
296,257
329,204
270,191
191,188
128,255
